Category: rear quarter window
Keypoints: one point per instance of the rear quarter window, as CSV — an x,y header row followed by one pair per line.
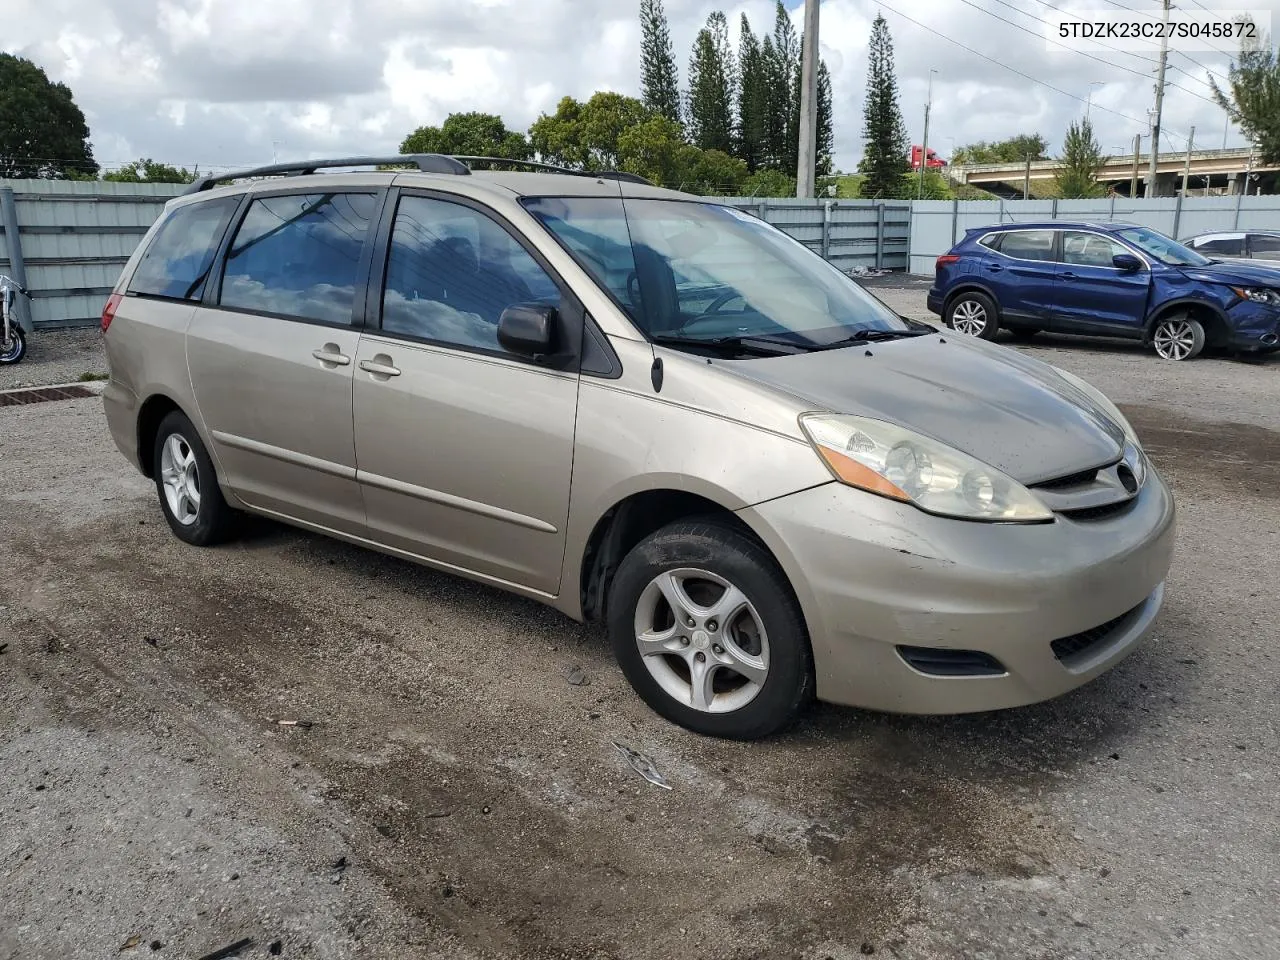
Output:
x,y
991,241
176,262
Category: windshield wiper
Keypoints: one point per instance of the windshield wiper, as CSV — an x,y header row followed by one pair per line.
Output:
x,y
763,346
874,336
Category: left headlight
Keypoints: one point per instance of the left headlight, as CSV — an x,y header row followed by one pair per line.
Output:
x,y
1107,407
1258,295
897,463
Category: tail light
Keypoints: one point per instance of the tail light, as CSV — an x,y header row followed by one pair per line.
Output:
x,y
946,259
109,311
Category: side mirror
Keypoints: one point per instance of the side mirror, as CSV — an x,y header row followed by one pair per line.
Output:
x,y
1126,262
528,328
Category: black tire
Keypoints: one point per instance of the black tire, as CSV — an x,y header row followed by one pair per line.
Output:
x,y
212,520
1178,337
1023,333
17,348
726,553
969,304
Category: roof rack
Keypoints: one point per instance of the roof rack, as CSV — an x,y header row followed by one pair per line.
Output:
x,y
553,168
425,162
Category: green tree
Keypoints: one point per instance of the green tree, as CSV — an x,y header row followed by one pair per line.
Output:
x,y
659,81
469,134
654,150
1252,97
1081,160
826,143
769,183
884,159
781,54
42,131
587,135
1014,150
715,173
713,80
149,171
753,97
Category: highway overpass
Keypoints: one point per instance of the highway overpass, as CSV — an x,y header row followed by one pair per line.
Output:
x,y
1212,172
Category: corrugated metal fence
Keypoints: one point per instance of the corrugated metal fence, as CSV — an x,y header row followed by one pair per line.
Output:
x,y
75,237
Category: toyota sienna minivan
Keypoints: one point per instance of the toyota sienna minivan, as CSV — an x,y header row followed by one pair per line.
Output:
x,y
644,409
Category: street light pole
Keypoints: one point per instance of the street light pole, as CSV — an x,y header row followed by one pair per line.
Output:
x,y
1152,188
808,102
924,146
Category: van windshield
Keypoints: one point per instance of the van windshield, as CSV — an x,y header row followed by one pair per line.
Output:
x,y
1163,248
687,271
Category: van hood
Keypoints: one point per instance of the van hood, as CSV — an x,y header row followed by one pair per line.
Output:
x,y
1003,407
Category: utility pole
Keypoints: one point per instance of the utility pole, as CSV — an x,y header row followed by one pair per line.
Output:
x,y
808,102
1026,179
1155,123
924,146
1133,179
1186,167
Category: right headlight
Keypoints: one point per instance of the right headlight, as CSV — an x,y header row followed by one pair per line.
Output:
x,y
892,461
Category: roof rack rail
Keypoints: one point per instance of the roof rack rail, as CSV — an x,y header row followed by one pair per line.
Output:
x,y
425,162
553,168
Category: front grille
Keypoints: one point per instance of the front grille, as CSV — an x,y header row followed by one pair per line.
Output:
x,y
1072,649
1072,480
11,398
1099,513
941,662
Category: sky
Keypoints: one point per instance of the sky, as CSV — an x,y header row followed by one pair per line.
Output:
x,y
230,83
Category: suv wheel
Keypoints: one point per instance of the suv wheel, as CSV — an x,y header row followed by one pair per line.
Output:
x,y
189,494
1178,337
708,632
973,314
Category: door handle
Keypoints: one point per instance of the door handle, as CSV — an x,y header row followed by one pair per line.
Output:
x,y
994,267
1068,275
379,369
331,356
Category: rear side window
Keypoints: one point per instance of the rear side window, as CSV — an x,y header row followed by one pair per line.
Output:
x,y
1264,248
1226,246
1028,244
176,262
992,240
298,256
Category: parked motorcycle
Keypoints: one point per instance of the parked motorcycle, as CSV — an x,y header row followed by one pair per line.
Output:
x,y
13,341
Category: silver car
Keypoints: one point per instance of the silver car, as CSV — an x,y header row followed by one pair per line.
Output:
x,y
644,409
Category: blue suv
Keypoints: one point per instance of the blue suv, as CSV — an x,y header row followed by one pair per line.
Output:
x,y
1105,279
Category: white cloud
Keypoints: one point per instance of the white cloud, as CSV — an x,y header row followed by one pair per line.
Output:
x,y
215,82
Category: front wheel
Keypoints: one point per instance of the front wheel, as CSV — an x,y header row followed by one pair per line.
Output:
x,y
15,348
708,632
1179,337
973,314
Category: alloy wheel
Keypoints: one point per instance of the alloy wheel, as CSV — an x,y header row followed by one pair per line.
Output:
x,y
1174,339
969,317
181,477
702,640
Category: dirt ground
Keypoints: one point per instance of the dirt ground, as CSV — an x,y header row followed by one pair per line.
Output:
x,y
458,795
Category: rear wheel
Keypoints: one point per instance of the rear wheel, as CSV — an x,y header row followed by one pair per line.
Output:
x,y
189,494
708,632
1178,337
973,314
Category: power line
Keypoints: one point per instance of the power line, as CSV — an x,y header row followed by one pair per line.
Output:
x,y
1025,76
1108,63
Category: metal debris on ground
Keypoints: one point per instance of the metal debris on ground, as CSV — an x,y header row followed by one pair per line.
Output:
x,y
304,724
230,950
642,765
578,678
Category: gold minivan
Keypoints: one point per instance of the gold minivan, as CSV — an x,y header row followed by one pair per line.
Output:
x,y
642,408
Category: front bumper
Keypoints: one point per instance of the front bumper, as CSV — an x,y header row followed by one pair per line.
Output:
x,y
1255,327
872,575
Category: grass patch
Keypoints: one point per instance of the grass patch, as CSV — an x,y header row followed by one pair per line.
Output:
x,y
91,377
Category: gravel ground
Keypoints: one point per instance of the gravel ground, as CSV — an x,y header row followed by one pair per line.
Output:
x,y
57,356
458,796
